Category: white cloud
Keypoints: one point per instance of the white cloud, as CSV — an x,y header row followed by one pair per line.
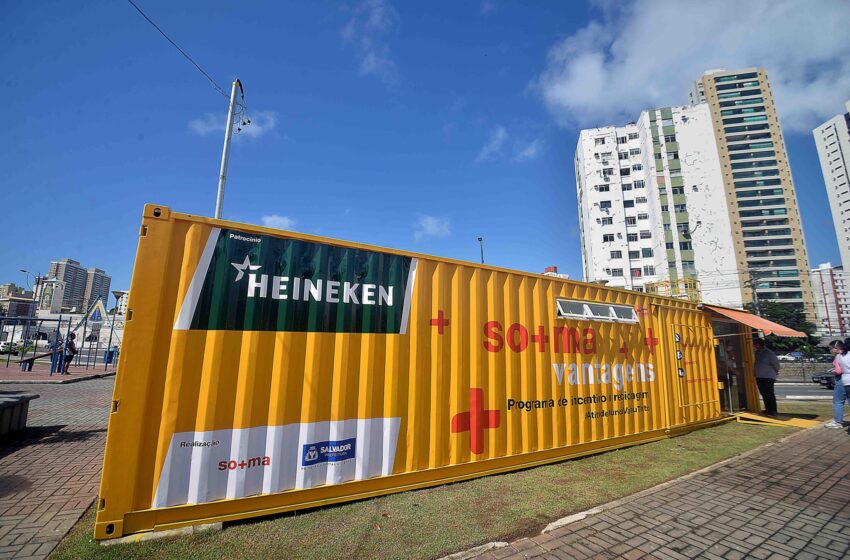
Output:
x,y
494,146
370,23
278,222
528,152
431,226
261,123
647,53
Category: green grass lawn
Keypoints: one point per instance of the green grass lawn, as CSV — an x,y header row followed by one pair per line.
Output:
x,y
445,519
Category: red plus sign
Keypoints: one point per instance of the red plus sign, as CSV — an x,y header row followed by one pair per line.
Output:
x,y
650,341
540,338
440,322
475,421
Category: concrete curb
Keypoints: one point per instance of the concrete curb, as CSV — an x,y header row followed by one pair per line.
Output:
x,y
58,381
166,534
564,521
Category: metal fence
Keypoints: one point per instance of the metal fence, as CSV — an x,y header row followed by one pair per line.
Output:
x,y
31,341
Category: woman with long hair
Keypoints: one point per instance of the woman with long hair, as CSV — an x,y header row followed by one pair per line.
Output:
x,y
838,395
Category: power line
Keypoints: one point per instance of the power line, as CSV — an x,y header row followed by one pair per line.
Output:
x,y
184,53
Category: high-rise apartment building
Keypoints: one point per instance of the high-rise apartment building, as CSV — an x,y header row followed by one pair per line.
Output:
x,y
97,287
652,208
80,287
832,300
833,141
73,277
770,251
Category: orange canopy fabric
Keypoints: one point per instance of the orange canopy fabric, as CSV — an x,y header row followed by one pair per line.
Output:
x,y
756,322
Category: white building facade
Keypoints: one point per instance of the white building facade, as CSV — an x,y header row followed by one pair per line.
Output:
x,y
833,142
652,207
832,301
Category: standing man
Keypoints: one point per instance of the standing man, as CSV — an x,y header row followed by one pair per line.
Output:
x,y
767,370
70,352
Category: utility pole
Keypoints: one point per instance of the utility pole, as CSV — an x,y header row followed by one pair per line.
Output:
x,y
481,243
225,153
752,284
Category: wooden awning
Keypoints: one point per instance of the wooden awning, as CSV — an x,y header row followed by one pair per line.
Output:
x,y
756,322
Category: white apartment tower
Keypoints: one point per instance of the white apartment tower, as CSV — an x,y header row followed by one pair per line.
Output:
x,y
833,141
832,300
652,207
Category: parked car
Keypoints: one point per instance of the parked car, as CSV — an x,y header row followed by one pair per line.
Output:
x,y
826,379
790,356
10,348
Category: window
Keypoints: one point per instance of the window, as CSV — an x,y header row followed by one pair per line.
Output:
x,y
643,216
593,311
633,135
648,270
640,199
631,221
616,254
672,155
637,167
667,227
625,171
627,186
631,237
667,122
645,234
677,190
600,141
686,246
665,207
628,204
634,151
639,184
646,252
607,221
680,207
624,155
636,272
670,246
670,138
621,139
605,204
604,188
634,255
607,237
616,272
688,266
683,228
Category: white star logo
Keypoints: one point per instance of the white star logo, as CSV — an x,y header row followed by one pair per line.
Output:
x,y
241,267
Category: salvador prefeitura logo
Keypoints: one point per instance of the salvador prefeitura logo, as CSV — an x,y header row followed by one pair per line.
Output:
x,y
255,282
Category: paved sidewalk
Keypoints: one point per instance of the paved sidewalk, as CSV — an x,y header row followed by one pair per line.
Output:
x,y
787,500
49,474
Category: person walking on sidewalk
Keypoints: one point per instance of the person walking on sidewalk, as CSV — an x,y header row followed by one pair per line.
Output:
x,y
844,364
767,370
838,395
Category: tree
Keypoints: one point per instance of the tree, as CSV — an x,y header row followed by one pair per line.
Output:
x,y
788,316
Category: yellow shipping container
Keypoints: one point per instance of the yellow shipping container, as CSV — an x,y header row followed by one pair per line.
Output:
x,y
264,371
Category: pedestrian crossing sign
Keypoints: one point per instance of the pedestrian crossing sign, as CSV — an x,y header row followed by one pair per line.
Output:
x,y
97,313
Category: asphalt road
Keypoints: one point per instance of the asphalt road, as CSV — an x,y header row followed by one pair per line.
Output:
x,y
802,391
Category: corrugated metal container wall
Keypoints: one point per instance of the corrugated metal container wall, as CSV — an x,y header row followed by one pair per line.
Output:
x,y
264,371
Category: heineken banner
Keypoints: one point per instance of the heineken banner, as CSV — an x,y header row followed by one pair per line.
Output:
x,y
250,282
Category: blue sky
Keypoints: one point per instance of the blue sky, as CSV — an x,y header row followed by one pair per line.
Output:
x,y
411,125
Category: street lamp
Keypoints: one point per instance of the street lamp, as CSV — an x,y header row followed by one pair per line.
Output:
x,y
37,278
118,294
481,243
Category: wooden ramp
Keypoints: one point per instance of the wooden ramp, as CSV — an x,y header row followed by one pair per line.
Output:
x,y
779,420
